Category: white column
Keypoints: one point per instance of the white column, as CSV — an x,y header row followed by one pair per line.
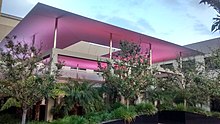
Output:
x,y
110,46
50,101
54,60
49,105
55,33
150,54
181,61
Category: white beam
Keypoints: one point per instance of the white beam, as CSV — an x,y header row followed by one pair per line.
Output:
x,y
55,33
110,47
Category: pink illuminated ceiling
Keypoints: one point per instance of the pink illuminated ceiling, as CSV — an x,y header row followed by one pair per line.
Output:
x,y
73,28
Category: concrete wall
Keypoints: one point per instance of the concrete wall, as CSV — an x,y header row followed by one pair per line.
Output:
x,y
7,23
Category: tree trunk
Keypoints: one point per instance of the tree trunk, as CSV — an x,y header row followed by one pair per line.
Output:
x,y
123,100
184,103
37,111
24,115
127,102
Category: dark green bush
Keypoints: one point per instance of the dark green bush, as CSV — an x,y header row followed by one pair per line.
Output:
x,y
117,105
9,119
98,116
216,114
165,106
196,110
37,122
94,117
179,107
128,114
71,120
146,108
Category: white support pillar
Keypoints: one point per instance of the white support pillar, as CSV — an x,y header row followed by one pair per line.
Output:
x,y
50,101
54,60
49,105
110,46
150,54
181,61
77,71
55,33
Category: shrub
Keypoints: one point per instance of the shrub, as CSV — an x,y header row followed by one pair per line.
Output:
x,y
98,116
196,110
94,117
146,108
9,119
165,106
179,107
117,105
71,120
37,122
128,114
216,114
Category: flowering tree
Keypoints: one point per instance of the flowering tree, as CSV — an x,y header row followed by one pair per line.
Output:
x,y
22,78
129,73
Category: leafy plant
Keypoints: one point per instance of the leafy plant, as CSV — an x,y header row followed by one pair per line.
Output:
x,y
71,120
196,110
165,106
97,117
129,73
37,122
179,107
9,103
128,114
9,119
22,76
81,93
146,108
117,105
216,114
216,5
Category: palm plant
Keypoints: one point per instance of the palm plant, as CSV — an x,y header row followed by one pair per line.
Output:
x,y
81,93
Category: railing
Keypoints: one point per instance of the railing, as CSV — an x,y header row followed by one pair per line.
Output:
x,y
81,74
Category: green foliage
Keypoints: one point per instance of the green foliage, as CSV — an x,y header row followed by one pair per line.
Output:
x,y
215,114
129,73
71,120
38,122
82,93
58,89
196,110
9,119
22,76
97,117
128,114
180,107
9,103
59,111
146,108
117,105
216,5
166,106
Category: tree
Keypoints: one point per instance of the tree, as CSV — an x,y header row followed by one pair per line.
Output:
x,y
23,77
216,5
77,94
81,93
129,73
188,85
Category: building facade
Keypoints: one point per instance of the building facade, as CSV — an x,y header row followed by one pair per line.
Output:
x,y
79,42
